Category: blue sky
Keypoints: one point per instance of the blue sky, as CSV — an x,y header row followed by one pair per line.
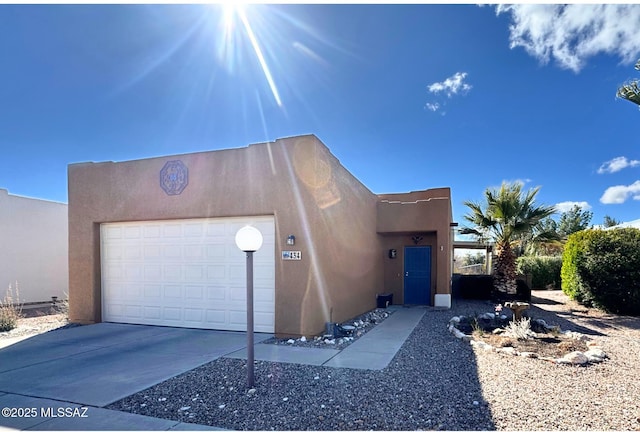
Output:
x,y
408,97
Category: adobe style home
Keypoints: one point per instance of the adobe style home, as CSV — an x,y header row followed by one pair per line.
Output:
x,y
152,241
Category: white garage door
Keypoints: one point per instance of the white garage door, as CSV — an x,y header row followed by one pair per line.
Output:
x,y
186,273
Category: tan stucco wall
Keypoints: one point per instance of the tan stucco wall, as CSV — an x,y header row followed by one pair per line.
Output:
x,y
34,248
298,180
423,213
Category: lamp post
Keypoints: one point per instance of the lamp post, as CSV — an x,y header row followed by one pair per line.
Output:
x,y
249,240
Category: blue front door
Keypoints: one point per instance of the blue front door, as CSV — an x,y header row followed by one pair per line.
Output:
x,y
417,275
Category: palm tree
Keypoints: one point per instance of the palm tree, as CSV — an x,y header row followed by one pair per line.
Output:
x,y
508,217
631,90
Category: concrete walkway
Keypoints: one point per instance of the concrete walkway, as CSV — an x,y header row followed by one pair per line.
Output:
x,y
373,351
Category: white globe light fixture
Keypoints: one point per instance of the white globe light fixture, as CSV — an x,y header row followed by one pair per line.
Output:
x,y
249,240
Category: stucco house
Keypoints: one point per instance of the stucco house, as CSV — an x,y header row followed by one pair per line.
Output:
x,y
152,241
34,253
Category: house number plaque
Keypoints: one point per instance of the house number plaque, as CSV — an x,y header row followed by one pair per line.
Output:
x,y
291,255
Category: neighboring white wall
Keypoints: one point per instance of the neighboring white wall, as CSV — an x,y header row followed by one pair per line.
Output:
x,y
33,247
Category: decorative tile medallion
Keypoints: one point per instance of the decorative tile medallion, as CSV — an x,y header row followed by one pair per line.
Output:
x,y
174,177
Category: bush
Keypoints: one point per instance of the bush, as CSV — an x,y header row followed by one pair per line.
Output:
x,y
602,269
10,310
544,270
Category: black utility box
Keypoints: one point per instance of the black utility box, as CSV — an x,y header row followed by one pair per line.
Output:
x,y
384,300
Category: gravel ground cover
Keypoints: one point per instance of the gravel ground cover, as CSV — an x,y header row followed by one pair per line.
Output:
x,y
36,324
434,382
361,325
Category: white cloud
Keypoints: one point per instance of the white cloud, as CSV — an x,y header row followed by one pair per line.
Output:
x,y
565,206
617,164
572,33
433,106
451,86
521,182
619,194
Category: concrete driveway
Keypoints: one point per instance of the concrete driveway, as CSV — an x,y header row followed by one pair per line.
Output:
x,y
98,364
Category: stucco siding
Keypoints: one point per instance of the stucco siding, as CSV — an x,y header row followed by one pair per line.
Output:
x,y
34,248
425,215
297,180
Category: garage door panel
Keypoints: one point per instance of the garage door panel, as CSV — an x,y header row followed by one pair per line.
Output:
x,y
153,272
173,292
152,252
216,293
194,229
194,272
152,313
172,272
112,232
186,273
171,230
194,292
171,250
132,232
263,296
152,292
216,272
195,252
171,314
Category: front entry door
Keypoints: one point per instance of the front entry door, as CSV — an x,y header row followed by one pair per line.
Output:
x,y
417,275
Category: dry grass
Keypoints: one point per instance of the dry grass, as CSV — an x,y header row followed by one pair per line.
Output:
x,y
10,310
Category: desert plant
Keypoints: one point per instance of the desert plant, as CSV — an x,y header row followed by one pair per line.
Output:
x,y
544,270
507,216
520,329
10,309
477,328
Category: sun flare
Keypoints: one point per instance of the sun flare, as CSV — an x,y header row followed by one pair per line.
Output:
x,y
232,12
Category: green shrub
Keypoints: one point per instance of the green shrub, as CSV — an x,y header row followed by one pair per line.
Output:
x,y
602,269
544,270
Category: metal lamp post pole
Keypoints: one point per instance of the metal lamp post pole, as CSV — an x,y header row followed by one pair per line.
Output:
x,y
250,354
249,239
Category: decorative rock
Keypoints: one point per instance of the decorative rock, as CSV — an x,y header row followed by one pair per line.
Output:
x,y
575,335
185,408
291,341
508,350
541,322
457,333
481,344
303,339
595,355
455,320
575,357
